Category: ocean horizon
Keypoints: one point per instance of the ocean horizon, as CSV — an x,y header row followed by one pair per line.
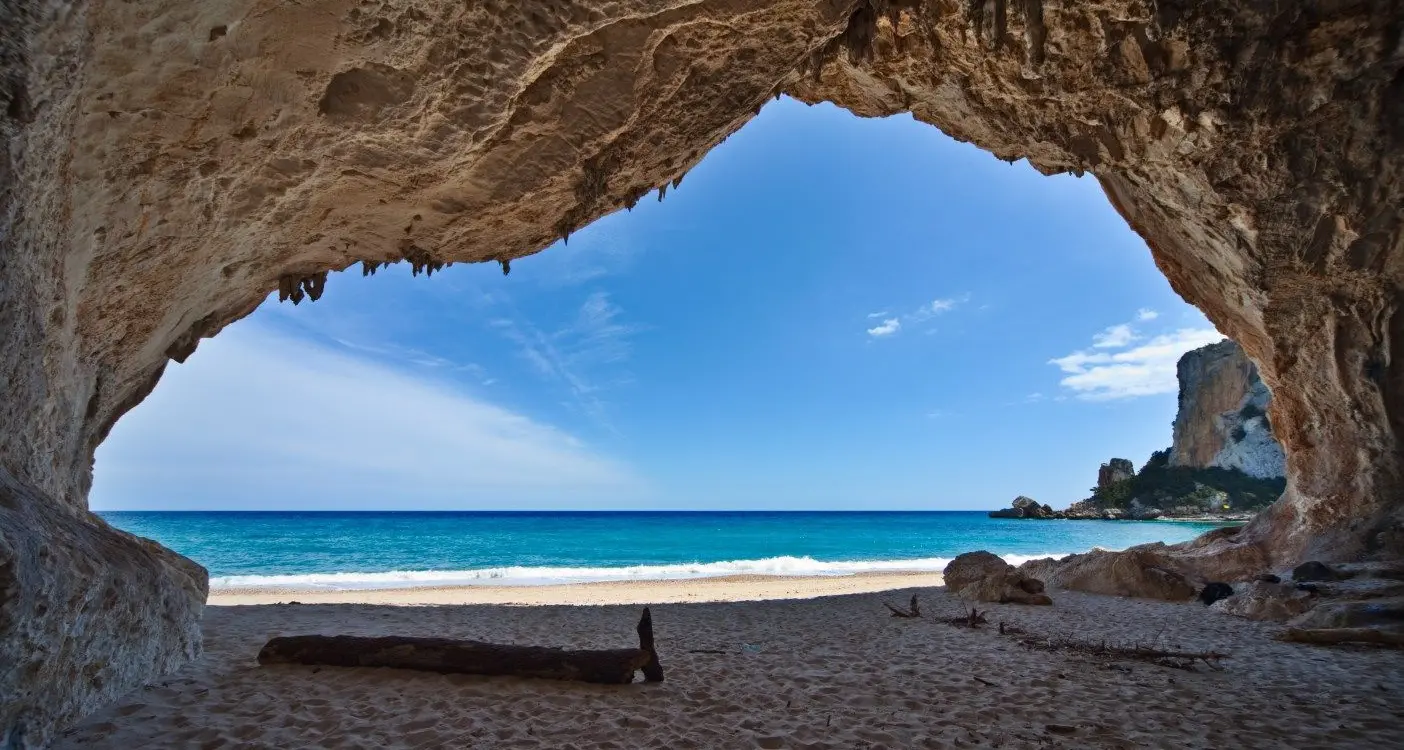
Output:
x,y
358,550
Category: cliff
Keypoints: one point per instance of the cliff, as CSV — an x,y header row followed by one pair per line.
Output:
x,y
1224,461
1222,418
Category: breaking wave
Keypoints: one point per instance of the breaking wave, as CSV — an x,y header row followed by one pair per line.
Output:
x,y
544,575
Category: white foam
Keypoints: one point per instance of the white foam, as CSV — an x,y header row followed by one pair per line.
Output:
x,y
534,576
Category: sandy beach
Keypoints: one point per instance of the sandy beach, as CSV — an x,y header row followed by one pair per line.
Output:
x,y
774,671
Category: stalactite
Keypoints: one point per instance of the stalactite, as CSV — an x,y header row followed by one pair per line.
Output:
x,y
506,266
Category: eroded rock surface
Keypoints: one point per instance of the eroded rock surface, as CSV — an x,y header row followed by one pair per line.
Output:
x,y
985,577
1261,600
166,165
86,613
1147,572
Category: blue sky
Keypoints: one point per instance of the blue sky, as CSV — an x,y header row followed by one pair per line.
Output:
x,y
830,312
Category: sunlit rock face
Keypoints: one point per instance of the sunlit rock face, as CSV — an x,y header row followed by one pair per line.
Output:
x,y
1222,417
167,164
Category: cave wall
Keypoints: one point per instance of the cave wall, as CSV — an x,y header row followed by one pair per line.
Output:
x,y
169,164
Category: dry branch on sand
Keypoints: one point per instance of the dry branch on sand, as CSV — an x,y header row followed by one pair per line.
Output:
x,y
1163,657
446,655
913,610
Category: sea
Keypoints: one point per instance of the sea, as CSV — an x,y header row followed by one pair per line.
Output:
x,y
369,550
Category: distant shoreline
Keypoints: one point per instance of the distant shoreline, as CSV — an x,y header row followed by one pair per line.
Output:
x,y
734,588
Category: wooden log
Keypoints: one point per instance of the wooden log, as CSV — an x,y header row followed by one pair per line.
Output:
x,y
1327,636
652,670
452,656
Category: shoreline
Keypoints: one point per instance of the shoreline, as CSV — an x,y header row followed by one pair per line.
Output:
x,y
731,588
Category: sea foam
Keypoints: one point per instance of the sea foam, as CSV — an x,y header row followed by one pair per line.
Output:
x,y
536,576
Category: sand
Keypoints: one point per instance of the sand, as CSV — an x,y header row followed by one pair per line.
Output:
x,y
824,672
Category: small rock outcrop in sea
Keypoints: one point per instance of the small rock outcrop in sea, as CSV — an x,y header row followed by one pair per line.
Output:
x,y
985,577
1025,507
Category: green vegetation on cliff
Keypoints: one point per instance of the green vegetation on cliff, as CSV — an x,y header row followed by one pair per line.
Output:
x,y
1160,485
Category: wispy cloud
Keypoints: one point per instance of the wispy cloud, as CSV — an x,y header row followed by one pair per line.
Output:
x,y
886,328
262,419
1146,314
929,310
1114,337
1143,370
574,353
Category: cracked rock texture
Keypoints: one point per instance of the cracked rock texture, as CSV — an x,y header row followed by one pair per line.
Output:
x,y
1222,417
168,164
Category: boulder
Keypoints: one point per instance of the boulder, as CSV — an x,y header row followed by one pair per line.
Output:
x,y
1084,510
1138,511
1370,613
1025,507
1262,600
1315,571
1213,592
1145,572
985,577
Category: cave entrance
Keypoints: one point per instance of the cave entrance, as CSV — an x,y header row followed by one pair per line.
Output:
x,y
1255,146
899,314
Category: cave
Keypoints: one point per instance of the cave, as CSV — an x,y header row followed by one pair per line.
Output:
x,y
167,165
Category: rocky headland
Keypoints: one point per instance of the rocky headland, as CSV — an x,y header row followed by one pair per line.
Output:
x,y
1224,463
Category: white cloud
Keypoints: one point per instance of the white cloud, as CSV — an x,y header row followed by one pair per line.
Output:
x,y
922,314
1146,314
1114,337
1144,370
888,327
260,419
936,307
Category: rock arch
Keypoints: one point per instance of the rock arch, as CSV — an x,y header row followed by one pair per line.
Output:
x,y
168,164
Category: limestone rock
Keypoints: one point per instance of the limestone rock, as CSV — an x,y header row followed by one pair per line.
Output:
x,y
1025,507
1315,570
1262,600
109,585
1369,613
1137,511
985,577
1215,591
1114,471
1222,418
1145,572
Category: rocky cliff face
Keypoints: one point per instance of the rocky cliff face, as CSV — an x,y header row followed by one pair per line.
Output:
x,y
1222,418
165,165
1114,471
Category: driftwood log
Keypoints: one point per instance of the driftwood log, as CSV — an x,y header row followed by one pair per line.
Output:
x,y
447,655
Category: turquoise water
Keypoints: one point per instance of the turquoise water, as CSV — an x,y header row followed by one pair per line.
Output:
x,y
318,550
